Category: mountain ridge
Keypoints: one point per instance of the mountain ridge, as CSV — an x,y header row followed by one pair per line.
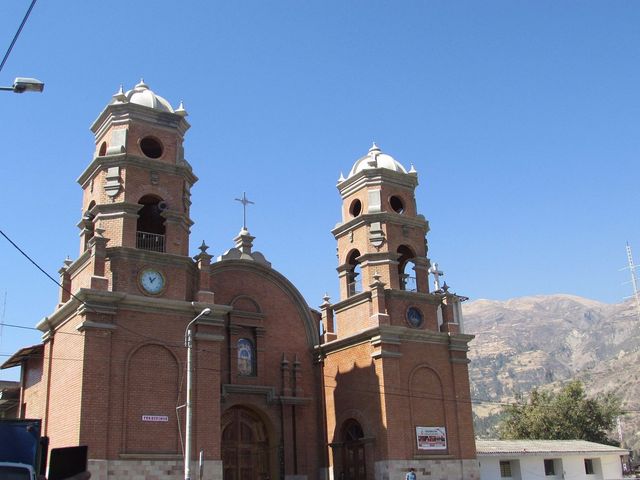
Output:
x,y
542,341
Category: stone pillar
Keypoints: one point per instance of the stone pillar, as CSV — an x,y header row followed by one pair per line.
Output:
x,y
203,263
378,301
328,326
98,247
65,281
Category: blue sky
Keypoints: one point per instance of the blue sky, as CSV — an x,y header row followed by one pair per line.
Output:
x,y
522,119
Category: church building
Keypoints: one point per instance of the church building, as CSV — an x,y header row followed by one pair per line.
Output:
x,y
366,387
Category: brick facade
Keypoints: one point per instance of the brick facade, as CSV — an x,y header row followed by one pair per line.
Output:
x,y
280,390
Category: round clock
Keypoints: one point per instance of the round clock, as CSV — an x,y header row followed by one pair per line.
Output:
x,y
151,281
414,317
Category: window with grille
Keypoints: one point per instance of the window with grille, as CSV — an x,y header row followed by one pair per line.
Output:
x,y
505,469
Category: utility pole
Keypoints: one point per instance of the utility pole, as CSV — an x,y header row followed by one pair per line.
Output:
x,y
188,342
634,279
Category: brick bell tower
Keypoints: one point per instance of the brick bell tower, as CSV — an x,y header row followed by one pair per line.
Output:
x,y
127,299
139,143
394,359
136,194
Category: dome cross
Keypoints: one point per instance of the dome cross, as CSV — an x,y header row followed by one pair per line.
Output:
x,y
244,201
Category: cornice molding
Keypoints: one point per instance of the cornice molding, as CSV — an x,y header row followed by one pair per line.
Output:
x,y
366,219
126,113
110,303
357,299
148,256
395,335
377,176
131,160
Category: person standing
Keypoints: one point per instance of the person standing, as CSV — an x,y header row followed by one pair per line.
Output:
x,y
411,474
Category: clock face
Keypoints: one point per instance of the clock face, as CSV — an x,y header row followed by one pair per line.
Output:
x,y
152,281
414,317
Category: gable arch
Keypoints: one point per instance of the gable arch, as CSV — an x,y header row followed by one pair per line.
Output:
x,y
280,281
245,303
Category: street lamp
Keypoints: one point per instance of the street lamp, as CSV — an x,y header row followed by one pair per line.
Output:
x,y
188,342
21,85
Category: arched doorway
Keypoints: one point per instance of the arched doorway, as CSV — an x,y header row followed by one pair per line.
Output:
x,y
354,461
245,446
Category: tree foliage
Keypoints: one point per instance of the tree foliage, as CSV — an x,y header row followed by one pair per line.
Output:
x,y
566,415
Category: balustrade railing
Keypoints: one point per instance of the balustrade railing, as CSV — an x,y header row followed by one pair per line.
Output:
x,y
150,241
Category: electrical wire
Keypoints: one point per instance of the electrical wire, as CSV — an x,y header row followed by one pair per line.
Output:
x,y
354,386
15,37
162,342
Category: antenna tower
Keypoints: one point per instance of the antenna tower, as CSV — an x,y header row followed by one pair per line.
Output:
x,y
634,279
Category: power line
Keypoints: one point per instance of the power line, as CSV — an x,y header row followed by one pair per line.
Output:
x,y
15,37
164,343
66,290
31,260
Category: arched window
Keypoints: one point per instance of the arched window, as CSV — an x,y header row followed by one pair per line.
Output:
x,y
150,229
406,269
354,279
246,358
351,431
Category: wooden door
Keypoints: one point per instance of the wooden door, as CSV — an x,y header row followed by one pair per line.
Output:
x,y
245,446
355,464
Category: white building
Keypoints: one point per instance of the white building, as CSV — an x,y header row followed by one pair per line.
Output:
x,y
548,459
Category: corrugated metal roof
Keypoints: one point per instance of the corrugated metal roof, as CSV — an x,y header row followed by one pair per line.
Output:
x,y
23,354
539,447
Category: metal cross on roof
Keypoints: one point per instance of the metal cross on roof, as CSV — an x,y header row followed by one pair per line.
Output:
x,y
436,272
244,201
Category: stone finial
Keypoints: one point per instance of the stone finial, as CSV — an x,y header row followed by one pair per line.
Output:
x,y
98,232
412,169
119,96
244,241
341,179
65,266
203,248
181,110
376,280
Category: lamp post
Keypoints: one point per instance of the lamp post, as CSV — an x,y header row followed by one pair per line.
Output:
x,y
188,342
21,85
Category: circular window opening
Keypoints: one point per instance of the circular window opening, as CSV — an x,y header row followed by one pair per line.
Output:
x,y
356,208
151,147
396,204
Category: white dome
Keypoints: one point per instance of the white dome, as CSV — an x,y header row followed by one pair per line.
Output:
x,y
142,95
376,159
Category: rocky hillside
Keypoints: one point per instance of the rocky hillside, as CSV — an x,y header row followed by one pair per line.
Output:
x,y
545,340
